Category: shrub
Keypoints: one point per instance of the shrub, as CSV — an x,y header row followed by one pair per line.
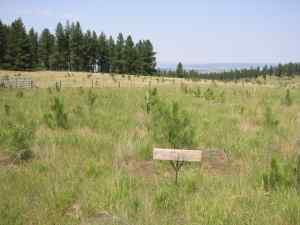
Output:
x,y
58,117
173,126
21,141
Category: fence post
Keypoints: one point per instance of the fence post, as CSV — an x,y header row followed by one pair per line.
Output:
x,y
60,84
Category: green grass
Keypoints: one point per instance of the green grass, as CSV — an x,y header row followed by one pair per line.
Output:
x,y
102,161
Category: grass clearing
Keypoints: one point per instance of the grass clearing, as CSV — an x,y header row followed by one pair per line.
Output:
x,y
99,169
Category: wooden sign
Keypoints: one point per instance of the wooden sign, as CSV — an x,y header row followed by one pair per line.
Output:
x,y
177,155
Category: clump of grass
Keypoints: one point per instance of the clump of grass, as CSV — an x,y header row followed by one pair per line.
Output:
x,y
58,117
165,198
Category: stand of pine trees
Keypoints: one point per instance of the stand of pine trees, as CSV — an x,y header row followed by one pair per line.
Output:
x,y
282,70
69,48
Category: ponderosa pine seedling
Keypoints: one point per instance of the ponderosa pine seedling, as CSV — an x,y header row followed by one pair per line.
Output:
x,y
151,99
270,120
21,142
173,127
287,98
7,109
58,117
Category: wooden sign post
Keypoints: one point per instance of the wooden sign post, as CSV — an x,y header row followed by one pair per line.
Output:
x,y
177,157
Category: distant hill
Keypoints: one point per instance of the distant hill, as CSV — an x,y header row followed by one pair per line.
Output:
x,y
214,67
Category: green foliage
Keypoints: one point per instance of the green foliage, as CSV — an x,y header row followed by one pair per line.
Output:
x,y
209,94
275,176
151,99
281,175
179,70
74,50
270,120
173,126
21,142
58,117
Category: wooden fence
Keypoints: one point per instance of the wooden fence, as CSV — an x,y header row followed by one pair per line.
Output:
x,y
16,83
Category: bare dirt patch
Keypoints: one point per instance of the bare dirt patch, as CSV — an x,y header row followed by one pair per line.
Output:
x,y
139,168
5,160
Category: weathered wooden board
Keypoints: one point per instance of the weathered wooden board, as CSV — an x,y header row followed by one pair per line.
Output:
x,y
177,155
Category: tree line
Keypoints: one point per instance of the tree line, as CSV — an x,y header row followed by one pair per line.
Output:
x,y
281,70
69,48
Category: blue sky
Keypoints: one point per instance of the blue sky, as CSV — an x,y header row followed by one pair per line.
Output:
x,y
203,31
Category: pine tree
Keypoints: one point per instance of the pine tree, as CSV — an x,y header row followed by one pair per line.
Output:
x,y
111,53
18,46
103,53
179,70
119,54
34,58
130,56
3,43
67,31
46,48
87,51
94,51
149,58
60,55
76,44
139,62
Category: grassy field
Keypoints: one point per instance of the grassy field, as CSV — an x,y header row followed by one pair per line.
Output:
x,y
98,170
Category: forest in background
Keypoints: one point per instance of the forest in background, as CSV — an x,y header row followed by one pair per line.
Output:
x,y
70,48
